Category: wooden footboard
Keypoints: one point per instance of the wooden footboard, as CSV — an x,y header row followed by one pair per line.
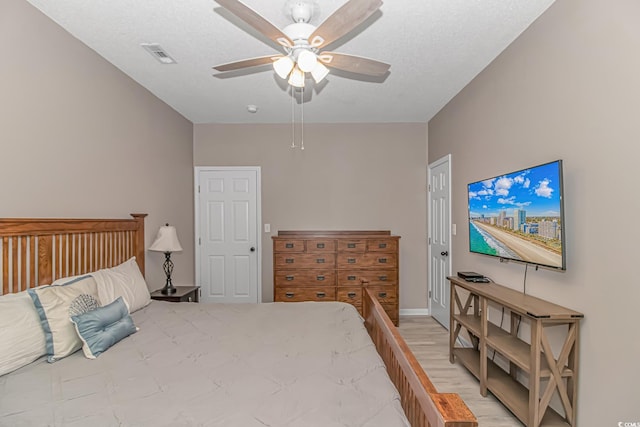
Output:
x,y
422,403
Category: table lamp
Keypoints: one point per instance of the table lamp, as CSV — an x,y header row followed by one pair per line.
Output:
x,y
167,242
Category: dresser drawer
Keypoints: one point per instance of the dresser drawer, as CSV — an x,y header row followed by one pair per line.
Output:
x,y
350,277
311,293
352,295
305,278
320,245
352,245
313,260
382,245
367,260
293,245
379,277
366,277
385,294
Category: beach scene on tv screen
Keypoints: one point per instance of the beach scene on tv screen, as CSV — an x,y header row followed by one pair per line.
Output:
x,y
517,216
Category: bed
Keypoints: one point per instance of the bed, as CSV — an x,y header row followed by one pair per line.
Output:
x,y
208,364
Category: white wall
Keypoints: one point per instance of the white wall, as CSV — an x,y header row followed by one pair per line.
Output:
x,y
78,138
568,88
349,177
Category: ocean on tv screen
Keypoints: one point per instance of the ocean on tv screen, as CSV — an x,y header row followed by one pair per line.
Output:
x,y
519,216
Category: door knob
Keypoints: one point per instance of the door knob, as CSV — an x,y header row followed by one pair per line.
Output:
x,y
253,249
444,253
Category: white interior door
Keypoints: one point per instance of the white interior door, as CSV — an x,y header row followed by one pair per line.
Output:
x,y
228,234
439,200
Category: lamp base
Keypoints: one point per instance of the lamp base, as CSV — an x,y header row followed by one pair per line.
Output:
x,y
168,269
168,290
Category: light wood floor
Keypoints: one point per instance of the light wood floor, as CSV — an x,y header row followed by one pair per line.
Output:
x,y
429,342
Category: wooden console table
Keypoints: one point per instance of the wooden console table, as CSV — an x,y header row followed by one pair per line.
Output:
x,y
534,359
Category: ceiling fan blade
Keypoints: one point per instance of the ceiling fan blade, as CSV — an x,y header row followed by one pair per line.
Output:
x,y
354,64
252,18
343,20
246,63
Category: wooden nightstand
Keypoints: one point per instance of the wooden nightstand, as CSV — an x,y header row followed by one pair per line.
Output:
x,y
182,294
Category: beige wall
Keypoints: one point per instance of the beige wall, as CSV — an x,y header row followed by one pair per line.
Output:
x,y
350,176
78,138
568,88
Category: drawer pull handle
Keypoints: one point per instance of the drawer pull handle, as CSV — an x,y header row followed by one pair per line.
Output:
x,y
289,294
320,278
351,245
289,260
382,245
351,277
288,245
351,260
351,294
320,294
382,278
289,278
382,260
382,294
320,260
320,246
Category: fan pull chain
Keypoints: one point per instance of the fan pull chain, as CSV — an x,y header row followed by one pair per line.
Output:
x,y
302,118
293,119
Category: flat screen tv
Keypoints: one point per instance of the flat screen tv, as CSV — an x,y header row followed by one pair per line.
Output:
x,y
520,216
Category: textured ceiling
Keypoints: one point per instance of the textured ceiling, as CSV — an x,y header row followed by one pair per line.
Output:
x,y
435,47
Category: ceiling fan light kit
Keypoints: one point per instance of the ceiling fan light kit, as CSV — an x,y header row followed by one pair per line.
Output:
x,y
307,60
319,72
296,78
283,66
302,41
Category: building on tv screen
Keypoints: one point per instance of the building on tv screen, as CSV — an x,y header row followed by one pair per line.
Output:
x,y
519,216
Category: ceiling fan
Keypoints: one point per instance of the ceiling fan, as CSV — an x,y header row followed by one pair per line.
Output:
x,y
303,42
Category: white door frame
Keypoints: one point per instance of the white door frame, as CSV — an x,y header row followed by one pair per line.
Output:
x,y
431,166
196,181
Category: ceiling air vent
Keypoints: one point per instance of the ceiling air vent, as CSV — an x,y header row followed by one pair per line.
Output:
x,y
158,52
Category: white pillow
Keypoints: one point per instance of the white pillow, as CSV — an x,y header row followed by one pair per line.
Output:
x,y
126,281
21,336
55,305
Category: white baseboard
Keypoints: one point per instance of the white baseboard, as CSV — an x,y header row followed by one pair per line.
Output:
x,y
414,312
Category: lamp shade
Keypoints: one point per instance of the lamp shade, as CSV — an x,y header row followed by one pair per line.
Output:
x,y
319,72
296,78
166,240
283,66
307,60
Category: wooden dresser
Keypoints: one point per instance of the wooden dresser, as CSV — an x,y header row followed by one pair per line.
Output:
x,y
335,266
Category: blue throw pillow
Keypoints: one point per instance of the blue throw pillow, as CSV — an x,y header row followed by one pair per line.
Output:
x,y
101,328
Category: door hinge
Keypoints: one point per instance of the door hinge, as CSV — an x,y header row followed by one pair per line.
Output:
x,y
198,188
428,187
199,240
429,240
429,294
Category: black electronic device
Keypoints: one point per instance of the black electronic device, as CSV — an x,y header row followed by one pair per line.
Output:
x,y
466,275
478,280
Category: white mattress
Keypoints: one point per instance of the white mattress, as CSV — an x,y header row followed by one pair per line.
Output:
x,y
245,365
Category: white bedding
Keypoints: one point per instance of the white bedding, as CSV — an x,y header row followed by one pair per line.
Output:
x,y
245,365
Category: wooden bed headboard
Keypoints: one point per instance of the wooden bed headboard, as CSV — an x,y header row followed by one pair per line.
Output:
x,y
36,251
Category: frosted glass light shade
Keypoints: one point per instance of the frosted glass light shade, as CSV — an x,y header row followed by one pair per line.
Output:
x,y
283,66
319,72
166,240
307,61
296,78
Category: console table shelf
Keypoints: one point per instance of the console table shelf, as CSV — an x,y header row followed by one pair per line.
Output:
x,y
547,374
